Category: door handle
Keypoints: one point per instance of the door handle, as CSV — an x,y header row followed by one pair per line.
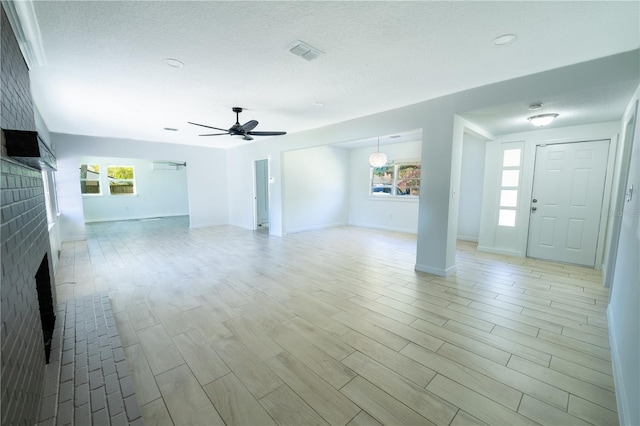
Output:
x,y
534,208
535,200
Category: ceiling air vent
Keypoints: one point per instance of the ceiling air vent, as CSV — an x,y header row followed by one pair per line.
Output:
x,y
302,49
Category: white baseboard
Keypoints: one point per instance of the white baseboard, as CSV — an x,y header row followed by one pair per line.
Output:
x,y
467,238
120,219
386,228
604,275
72,239
206,225
315,227
500,251
621,394
436,271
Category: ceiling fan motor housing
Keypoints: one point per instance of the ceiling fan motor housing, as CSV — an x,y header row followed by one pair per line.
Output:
x,y
245,130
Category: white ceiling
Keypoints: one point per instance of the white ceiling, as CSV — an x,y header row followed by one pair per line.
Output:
x,y
105,72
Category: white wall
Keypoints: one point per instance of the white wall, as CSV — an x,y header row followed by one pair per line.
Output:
x,y
206,176
624,304
399,214
315,188
438,217
471,179
513,241
54,227
158,193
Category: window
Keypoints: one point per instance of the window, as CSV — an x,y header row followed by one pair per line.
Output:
x,y
90,179
47,196
121,180
396,180
509,187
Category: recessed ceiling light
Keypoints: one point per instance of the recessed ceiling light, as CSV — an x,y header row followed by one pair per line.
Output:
x,y
394,136
175,63
504,40
542,119
535,107
318,104
170,129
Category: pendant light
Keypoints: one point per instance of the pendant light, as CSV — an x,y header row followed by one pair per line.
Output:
x,y
378,159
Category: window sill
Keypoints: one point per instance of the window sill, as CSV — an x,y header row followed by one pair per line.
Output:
x,y
406,199
108,195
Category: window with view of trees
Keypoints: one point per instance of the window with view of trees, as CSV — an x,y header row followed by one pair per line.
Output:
x,y
121,180
90,179
396,180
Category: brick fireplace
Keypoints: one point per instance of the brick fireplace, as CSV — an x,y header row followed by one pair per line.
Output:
x,y
28,285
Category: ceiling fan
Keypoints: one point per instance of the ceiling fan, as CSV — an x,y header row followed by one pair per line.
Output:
x,y
245,130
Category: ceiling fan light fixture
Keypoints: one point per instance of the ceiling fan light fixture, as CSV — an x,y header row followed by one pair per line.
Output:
x,y
378,159
542,119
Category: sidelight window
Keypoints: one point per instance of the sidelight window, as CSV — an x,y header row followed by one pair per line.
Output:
x,y
509,186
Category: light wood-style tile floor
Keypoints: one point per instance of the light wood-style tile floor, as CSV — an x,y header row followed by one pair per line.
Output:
x,y
227,326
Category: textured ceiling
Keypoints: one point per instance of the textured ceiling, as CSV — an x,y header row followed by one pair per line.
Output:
x,y
106,76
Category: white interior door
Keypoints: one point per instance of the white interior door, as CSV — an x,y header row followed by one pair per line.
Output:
x,y
568,189
262,193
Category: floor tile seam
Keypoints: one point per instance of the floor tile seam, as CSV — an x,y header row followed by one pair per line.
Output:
x,y
515,371
570,392
606,388
395,398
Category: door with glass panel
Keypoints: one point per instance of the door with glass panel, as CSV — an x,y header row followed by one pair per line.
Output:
x,y
566,202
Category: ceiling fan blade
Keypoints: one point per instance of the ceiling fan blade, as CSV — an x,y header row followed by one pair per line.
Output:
x,y
210,127
215,134
266,133
249,125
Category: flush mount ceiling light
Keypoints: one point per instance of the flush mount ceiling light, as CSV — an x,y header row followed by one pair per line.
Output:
x,y
318,104
305,51
504,40
542,119
378,159
174,63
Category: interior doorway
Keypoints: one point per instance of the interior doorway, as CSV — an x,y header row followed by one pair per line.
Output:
x,y
566,205
261,194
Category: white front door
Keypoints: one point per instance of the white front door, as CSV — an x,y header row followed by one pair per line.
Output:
x,y
568,189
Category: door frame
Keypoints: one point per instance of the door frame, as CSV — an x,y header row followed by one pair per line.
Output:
x,y
630,122
255,192
606,198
